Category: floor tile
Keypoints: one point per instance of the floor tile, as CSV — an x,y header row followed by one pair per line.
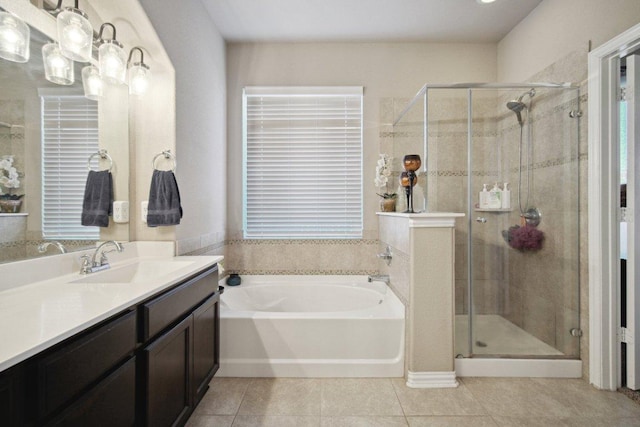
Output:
x,y
585,400
223,397
282,396
364,422
531,421
451,421
516,397
359,396
603,422
275,421
442,401
210,421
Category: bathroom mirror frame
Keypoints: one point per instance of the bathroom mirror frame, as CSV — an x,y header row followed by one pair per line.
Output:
x,y
20,235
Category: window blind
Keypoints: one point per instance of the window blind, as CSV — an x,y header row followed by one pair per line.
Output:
x,y
302,162
69,137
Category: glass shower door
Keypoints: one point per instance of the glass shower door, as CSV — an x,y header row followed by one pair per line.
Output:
x,y
522,253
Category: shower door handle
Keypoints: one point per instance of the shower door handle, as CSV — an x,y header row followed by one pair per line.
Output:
x,y
481,219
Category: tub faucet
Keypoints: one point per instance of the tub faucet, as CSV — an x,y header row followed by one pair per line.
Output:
x,y
91,266
378,278
42,247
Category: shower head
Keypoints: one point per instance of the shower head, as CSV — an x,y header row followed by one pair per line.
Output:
x,y
517,105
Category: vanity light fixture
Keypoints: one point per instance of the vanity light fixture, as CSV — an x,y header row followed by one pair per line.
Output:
x,y
92,82
112,57
485,1
75,33
57,67
14,38
139,74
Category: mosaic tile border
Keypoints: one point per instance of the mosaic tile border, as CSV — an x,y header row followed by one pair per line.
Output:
x,y
11,136
13,244
560,161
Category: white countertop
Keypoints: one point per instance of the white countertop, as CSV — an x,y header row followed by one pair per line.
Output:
x,y
35,316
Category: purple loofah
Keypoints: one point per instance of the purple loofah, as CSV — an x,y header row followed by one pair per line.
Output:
x,y
526,238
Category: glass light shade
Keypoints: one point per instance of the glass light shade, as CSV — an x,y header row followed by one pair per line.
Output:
x,y
14,38
75,34
113,62
139,79
57,67
92,82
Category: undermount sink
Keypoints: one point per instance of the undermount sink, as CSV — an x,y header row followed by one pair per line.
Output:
x,y
142,271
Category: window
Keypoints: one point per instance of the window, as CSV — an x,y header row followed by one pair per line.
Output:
x,y
302,162
69,137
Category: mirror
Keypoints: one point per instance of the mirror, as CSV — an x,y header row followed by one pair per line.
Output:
x,y
51,131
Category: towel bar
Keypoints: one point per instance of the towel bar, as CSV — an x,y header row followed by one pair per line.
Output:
x,y
103,155
167,154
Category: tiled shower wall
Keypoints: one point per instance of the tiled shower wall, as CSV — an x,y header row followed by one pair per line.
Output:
x,y
536,291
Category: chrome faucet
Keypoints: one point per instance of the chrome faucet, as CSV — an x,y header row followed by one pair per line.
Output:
x,y
378,278
91,265
42,247
386,255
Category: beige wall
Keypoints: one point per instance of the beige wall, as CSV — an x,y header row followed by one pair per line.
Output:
x,y
384,69
197,52
558,27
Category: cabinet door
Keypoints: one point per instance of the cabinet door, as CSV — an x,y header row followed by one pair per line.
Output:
x,y
168,368
111,403
11,399
206,332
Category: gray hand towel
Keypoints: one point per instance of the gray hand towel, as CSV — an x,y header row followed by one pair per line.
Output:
x,y
164,200
98,199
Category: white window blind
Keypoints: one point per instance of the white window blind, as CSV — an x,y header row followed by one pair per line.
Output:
x,y
69,138
302,162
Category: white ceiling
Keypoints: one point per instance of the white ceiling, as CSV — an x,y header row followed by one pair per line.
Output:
x,y
367,20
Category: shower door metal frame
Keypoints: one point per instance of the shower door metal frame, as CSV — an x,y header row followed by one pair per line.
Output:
x,y
424,94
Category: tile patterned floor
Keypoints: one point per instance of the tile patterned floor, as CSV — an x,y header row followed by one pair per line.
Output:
x,y
388,402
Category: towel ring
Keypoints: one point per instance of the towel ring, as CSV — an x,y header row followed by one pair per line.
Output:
x,y
104,156
167,154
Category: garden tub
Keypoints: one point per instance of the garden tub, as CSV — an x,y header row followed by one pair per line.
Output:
x,y
311,326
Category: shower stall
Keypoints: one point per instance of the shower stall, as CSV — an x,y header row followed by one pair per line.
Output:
x,y
517,258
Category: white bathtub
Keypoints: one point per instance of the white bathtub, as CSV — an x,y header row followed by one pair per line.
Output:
x,y
311,326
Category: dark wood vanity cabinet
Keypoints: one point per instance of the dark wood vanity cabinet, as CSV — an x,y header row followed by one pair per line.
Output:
x,y
206,344
12,397
179,362
147,366
168,371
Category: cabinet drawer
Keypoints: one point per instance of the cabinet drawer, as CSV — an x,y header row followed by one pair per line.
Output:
x,y
111,403
166,309
67,371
